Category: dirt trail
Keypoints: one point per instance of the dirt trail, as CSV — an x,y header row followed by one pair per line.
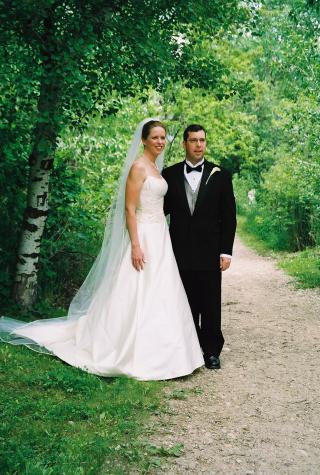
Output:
x,y
260,413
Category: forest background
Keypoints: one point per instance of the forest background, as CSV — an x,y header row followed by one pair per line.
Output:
x,y
254,85
77,77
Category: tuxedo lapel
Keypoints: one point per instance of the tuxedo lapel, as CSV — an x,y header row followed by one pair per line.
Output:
x,y
181,187
205,175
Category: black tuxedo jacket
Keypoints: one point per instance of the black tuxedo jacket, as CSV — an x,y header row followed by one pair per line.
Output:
x,y
199,239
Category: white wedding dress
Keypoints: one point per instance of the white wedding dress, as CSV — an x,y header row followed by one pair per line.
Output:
x,y
144,329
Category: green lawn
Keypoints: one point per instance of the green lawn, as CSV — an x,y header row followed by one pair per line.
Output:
x,y
304,266
58,420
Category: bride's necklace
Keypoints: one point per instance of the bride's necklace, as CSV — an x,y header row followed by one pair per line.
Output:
x,y
152,163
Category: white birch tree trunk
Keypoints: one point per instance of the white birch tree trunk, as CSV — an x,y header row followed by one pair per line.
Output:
x,y
41,162
25,285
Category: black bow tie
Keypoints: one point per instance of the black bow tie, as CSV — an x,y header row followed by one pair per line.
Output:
x,y
194,169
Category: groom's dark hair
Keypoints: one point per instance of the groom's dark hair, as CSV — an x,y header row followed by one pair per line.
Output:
x,y
192,128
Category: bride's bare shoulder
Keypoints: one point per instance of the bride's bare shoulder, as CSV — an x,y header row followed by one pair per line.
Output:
x,y
138,169
138,164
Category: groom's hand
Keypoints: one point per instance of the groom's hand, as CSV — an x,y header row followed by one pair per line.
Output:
x,y
224,263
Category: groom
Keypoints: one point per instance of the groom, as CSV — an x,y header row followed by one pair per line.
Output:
x,y
202,211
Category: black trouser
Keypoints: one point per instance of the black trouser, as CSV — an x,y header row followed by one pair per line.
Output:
x,y
203,289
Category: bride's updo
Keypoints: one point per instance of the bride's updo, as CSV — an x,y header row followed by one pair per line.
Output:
x,y
146,129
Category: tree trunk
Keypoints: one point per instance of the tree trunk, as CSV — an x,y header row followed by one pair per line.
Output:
x,y
35,215
41,162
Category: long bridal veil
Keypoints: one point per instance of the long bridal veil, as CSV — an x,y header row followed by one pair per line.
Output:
x,y
100,278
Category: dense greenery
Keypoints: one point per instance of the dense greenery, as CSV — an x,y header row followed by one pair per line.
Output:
x,y
285,171
256,89
287,76
65,61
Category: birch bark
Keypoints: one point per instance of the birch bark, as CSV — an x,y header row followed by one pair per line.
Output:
x,y
35,215
25,286
41,162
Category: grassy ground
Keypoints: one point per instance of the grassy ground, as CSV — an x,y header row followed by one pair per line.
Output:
x,y
59,420
304,266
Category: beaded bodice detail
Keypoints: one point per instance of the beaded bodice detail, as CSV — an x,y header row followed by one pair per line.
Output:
x,y
150,208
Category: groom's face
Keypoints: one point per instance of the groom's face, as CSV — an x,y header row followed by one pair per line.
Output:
x,y
195,146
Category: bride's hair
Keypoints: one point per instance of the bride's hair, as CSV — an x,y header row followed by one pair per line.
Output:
x,y
150,125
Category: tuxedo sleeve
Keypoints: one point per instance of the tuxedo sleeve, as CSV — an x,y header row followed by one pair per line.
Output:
x,y
228,216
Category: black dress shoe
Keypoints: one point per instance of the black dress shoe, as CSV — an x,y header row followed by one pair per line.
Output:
x,y
212,362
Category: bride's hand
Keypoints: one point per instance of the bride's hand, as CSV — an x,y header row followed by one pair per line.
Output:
x,y
137,258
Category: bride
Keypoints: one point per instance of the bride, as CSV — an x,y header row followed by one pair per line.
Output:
x,y
131,315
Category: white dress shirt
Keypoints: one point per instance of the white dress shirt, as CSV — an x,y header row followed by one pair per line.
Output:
x,y
193,178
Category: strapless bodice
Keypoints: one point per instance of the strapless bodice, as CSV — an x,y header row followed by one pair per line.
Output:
x,y
150,207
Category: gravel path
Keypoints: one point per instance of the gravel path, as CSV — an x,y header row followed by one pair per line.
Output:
x,y
260,413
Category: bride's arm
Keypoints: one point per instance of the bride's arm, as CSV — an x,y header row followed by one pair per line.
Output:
x,y
134,184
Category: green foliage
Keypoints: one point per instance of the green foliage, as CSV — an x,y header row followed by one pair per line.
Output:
x,y
286,213
254,86
286,169
62,64
78,54
229,138
244,230
57,419
304,266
